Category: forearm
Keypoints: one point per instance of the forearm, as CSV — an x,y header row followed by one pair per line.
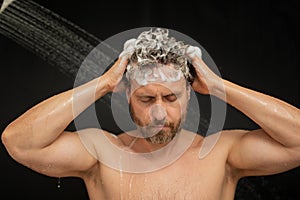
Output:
x,y
278,118
42,124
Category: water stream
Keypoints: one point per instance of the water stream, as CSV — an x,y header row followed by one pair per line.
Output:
x,y
63,45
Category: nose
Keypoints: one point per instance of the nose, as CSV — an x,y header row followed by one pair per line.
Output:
x,y
158,113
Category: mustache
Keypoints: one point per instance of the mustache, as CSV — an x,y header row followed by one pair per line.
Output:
x,y
155,122
161,123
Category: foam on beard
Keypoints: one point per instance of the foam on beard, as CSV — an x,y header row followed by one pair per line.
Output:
x,y
153,72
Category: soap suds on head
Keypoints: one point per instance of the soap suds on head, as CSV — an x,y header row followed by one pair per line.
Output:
x,y
153,50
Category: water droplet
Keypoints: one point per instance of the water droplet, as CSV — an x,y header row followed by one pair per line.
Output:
x,y
58,183
121,178
130,186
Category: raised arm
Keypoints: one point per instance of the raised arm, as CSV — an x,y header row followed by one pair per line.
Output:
x,y
38,140
272,149
275,147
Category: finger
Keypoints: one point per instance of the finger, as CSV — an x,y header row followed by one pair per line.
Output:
x,y
193,53
129,43
121,86
120,64
128,48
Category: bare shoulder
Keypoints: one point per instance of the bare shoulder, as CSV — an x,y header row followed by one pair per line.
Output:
x,y
222,141
99,142
232,135
96,135
94,138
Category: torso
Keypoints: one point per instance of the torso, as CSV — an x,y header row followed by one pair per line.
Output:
x,y
187,178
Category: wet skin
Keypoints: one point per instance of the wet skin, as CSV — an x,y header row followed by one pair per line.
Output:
x,y
38,139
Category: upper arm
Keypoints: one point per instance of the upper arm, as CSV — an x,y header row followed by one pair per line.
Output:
x,y
66,156
256,153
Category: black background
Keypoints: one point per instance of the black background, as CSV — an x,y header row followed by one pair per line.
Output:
x,y
253,43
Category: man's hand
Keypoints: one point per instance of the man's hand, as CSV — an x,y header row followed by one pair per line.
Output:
x,y
205,81
114,75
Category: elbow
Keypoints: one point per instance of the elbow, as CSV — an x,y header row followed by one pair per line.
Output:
x,y
8,139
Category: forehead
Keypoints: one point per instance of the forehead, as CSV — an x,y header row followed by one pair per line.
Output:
x,y
159,86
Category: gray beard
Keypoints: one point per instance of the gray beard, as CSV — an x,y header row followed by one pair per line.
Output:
x,y
163,137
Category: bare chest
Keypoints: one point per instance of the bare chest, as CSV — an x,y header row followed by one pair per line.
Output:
x,y
187,178
176,185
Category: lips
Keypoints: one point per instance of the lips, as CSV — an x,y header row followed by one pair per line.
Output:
x,y
159,127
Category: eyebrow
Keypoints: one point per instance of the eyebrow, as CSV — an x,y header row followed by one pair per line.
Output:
x,y
145,96
177,94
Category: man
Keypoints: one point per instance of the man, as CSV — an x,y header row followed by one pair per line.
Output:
x,y
159,79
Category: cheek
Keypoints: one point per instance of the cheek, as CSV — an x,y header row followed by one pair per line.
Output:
x,y
181,108
175,111
141,112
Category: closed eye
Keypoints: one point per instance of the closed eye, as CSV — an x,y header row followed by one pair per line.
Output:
x,y
146,99
170,97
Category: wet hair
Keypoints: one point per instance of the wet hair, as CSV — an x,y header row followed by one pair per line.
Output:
x,y
156,46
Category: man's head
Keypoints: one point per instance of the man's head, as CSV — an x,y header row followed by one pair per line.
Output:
x,y
158,77
157,48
